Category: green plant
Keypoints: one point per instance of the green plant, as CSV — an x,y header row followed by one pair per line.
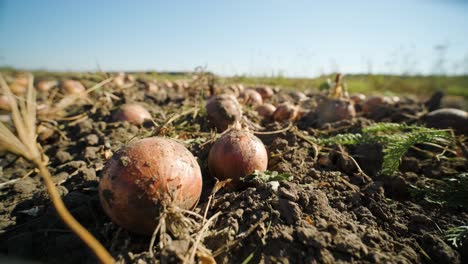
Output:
x,y
457,235
395,139
452,191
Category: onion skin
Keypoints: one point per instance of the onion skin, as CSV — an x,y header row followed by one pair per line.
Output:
x,y
286,112
265,110
373,102
22,79
235,89
45,85
333,110
298,96
223,110
5,103
358,98
237,154
168,84
44,132
132,113
252,97
73,87
145,175
448,118
240,88
265,91
119,79
152,87
18,88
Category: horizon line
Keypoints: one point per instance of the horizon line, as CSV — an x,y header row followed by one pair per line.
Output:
x,y
279,75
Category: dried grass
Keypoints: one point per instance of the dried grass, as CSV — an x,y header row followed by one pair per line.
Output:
x,y
23,112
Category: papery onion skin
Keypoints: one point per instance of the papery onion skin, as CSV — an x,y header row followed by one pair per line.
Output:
x,y
132,113
448,118
223,110
265,110
236,154
145,175
333,110
265,91
73,87
286,112
251,97
372,103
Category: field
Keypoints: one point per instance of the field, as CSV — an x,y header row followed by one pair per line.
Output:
x,y
376,188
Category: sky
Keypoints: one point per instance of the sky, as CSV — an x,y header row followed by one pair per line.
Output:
x,y
297,38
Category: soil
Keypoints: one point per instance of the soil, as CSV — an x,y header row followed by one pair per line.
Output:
x,y
328,213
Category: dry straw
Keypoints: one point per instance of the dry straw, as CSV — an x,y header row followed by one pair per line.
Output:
x,y
23,111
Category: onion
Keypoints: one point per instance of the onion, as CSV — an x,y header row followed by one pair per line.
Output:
x,y
5,103
73,87
265,110
152,87
18,88
146,175
332,110
265,91
286,112
358,98
251,97
119,79
45,85
182,84
132,113
298,96
223,111
129,78
168,84
44,132
448,118
22,79
373,102
237,154
235,89
240,88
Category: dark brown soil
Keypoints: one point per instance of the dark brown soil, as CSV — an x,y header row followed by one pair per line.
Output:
x,y
328,212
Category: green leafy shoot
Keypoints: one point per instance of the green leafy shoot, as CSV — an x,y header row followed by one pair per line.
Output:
x,y
396,140
343,139
452,192
396,147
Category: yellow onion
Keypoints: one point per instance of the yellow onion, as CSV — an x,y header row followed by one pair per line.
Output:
x,y
132,113
146,175
236,154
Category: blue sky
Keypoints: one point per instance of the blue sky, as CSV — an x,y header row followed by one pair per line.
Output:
x,y
293,38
